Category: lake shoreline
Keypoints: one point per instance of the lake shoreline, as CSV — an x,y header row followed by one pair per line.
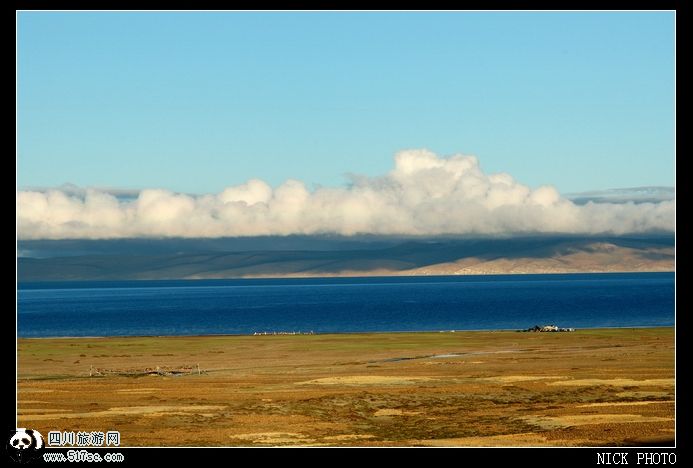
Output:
x,y
452,277
500,330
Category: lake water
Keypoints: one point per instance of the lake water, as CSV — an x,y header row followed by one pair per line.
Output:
x,y
325,305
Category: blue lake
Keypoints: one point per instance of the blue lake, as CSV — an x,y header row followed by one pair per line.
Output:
x,y
329,305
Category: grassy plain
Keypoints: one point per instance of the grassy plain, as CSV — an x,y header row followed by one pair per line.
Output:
x,y
586,388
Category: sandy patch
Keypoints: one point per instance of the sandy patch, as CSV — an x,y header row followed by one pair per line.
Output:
x,y
42,411
137,390
366,380
556,422
521,378
625,403
273,438
151,410
616,382
343,437
395,412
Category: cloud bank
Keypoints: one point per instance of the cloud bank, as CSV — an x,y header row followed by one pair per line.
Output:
x,y
423,195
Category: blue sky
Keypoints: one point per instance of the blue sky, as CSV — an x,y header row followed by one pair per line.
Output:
x,y
196,102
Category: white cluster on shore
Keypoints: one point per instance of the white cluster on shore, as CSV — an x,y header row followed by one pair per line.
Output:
x,y
548,328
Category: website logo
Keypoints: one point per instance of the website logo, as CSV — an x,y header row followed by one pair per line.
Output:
x,y
24,444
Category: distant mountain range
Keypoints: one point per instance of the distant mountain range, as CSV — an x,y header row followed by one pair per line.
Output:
x,y
304,256
624,195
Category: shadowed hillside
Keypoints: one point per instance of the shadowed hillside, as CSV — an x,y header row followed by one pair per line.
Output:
x,y
341,258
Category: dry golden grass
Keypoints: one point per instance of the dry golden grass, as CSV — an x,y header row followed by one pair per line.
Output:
x,y
590,387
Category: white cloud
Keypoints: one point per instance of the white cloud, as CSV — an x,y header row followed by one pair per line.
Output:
x,y
423,195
